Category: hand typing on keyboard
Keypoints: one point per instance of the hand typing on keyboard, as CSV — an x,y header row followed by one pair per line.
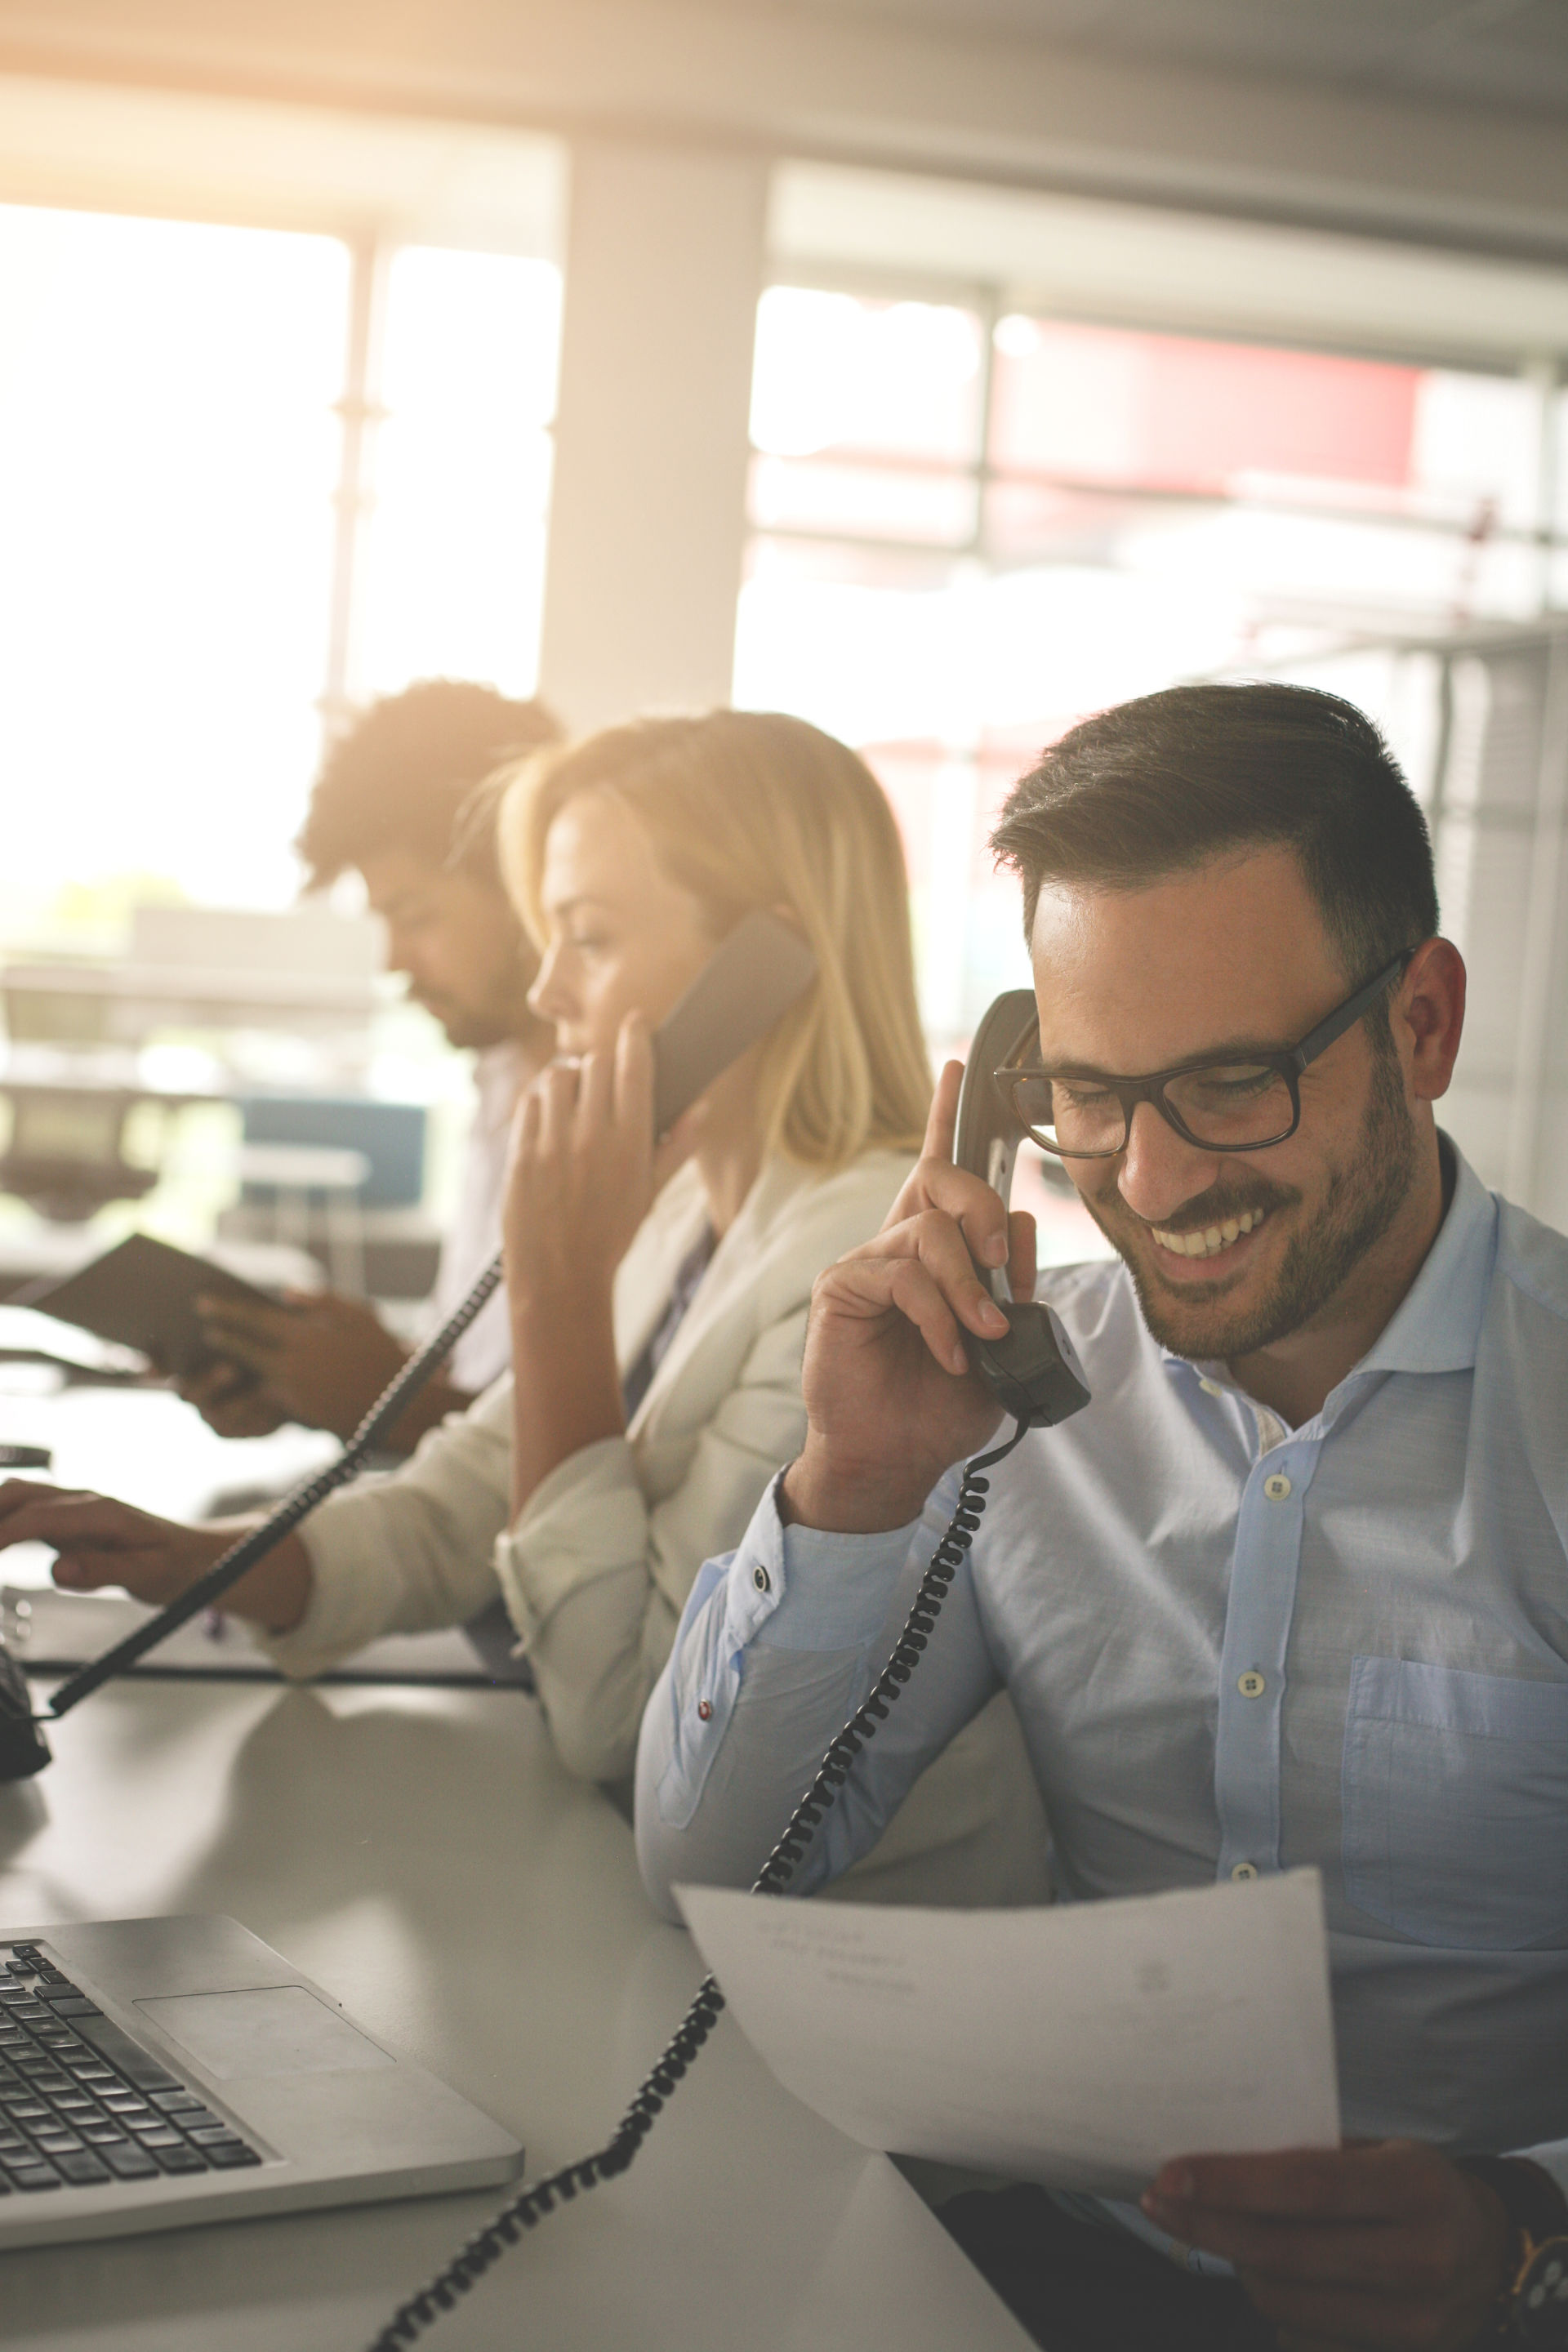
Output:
x,y
81,2104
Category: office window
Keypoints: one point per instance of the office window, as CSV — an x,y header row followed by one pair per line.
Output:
x,y
454,554
972,526
168,450
172,576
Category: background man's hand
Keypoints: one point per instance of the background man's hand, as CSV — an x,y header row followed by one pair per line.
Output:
x,y
1385,2244
891,1400
231,1400
314,1358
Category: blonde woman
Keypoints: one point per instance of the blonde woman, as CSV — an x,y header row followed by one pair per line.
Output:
x,y
657,1296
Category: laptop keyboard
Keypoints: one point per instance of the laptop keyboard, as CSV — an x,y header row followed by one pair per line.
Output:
x,y
81,2103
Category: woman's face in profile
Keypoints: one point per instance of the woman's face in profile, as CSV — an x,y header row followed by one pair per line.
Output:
x,y
620,936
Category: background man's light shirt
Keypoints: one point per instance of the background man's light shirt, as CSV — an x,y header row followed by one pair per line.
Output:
x,y
1234,1647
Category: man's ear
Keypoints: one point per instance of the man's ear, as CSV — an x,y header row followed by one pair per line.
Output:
x,y
1428,1017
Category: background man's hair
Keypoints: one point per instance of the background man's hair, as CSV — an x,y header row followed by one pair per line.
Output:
x,y
1167,782
402,775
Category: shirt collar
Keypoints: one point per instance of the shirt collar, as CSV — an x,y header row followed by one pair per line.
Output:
x,y
1437,1326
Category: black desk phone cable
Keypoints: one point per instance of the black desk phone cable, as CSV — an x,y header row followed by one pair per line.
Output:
x,y
295,1505
524,2212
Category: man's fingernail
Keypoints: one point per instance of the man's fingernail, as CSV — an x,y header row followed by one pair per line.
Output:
x,y
991,1314
995,1250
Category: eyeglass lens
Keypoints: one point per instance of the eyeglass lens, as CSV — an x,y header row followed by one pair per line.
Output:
x,y
1230,1105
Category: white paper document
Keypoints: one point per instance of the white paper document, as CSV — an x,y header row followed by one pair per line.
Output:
x,y
1079,2046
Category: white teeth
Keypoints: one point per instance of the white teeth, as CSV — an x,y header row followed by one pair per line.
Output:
x,y
1211,1239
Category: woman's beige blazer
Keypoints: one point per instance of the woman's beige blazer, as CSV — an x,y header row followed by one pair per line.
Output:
x,y
597,1568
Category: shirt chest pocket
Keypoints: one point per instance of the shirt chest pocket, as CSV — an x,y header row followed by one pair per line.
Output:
x,y
1455,1804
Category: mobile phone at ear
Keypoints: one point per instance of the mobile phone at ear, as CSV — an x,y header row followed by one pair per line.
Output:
x,y
1033,1371
760,969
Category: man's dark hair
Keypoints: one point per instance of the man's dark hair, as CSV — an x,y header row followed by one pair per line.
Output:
x,y
1166,783
400,777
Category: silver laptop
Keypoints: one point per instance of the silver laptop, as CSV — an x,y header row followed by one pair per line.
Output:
x,y
155,2073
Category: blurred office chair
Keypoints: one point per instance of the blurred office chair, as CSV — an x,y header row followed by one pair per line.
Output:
x,y
65,1156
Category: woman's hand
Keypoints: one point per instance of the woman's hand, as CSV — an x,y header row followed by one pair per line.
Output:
x,y
98,1541
585,1172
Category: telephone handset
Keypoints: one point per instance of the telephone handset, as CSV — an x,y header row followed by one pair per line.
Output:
x,y
750,981
762,967
1033,1371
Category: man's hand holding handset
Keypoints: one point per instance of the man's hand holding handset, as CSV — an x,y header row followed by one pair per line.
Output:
x,y
891,1400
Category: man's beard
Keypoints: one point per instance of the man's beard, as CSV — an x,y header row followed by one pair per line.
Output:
x,y
470,1026
1361,1203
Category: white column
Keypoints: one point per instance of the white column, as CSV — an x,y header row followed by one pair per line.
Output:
x,y
647,515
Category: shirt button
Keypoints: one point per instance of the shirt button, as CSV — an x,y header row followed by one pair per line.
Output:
x,y
1252,1685
1245,1870
759,1579
1276,1487
704,1710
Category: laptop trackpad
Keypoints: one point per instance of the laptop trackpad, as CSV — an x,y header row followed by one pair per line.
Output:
x,y
281,2030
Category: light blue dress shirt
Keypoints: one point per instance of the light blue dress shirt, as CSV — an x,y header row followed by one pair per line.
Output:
x,y
1234,1647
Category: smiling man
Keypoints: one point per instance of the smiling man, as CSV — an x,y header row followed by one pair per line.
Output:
x,y
1292,1590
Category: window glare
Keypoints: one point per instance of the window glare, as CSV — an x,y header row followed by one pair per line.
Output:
x,y
1136,508
166,399
171,449
834,372
454,556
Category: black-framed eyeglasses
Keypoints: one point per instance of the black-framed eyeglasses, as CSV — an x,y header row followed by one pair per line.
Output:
x,y
1242,1102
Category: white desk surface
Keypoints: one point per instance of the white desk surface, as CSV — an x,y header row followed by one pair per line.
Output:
x,y
425,1858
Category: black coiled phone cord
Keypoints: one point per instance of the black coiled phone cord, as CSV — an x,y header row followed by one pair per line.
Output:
x,y
296,1504
526,2211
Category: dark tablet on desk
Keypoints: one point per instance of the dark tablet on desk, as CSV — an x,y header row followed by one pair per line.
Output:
x,y
144,1295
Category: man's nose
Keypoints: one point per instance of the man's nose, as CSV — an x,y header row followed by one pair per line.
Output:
x,y
1160,1170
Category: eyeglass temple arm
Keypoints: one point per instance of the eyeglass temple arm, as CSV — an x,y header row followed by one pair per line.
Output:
x,y
1318,1041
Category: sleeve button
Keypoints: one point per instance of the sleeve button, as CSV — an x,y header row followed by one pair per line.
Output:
x,y
705,1710
761,1580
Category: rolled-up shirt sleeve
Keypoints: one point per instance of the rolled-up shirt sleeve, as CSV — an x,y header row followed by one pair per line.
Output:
x,y
778,1645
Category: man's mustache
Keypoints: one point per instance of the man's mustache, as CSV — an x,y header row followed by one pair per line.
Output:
x,y
1209,1208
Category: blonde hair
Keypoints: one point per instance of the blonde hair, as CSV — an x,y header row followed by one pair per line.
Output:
x,y
749,809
